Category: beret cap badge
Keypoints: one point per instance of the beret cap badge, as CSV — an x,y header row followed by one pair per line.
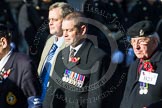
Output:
x,y
141,33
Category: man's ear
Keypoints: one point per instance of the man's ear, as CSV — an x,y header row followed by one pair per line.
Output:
x,y
3,42
83,29
155,40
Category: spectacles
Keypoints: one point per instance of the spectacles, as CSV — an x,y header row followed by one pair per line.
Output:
x,y
140,41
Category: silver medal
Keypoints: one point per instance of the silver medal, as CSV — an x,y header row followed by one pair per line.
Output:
x,y
145,91
67,79
64,79
141,91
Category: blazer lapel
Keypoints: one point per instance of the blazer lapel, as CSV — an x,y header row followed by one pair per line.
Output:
x,y
9,64
135,77
65,55
54,61
65,58
82,53
47,47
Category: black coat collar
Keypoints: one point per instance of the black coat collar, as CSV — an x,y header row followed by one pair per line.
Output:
x,y
82,53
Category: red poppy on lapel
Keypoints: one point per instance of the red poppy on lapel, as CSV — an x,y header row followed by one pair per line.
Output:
x,y
148,66
5,73
74,59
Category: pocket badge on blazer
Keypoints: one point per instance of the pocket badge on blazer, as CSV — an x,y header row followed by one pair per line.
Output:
x,y
11,98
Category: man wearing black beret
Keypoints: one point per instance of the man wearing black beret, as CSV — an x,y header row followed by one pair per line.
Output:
x,y
144,81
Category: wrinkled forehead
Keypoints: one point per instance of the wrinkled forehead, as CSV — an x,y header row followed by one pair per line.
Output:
x,y
138,38
55,12
71,22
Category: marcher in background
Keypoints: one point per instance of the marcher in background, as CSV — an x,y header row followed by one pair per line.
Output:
x,y
146,10
19,83
144,84
33,27
55,42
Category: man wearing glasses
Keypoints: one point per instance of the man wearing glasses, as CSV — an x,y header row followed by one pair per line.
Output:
x,y
144,84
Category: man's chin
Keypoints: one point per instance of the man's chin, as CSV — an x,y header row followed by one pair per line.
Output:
x,y
140,56
70,44
53,32
67,44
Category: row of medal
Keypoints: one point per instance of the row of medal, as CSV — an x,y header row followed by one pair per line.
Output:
x,y
4,74
143,88
73,78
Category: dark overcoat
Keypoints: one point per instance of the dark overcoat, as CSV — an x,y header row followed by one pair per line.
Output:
x,y
93,64
153,99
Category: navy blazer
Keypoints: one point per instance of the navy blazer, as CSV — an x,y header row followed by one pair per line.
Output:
x,y
22,82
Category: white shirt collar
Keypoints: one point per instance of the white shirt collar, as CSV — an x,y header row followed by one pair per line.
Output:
x,y
4,60
77,47
60,41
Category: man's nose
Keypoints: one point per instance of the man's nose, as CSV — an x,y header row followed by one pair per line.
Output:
x,y
137,46
65,33
50,22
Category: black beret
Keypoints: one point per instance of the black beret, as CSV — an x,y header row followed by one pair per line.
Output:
x,y
141,29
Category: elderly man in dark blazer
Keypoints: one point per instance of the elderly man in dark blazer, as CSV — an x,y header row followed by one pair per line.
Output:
x,y
77,78
144,84
19,82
